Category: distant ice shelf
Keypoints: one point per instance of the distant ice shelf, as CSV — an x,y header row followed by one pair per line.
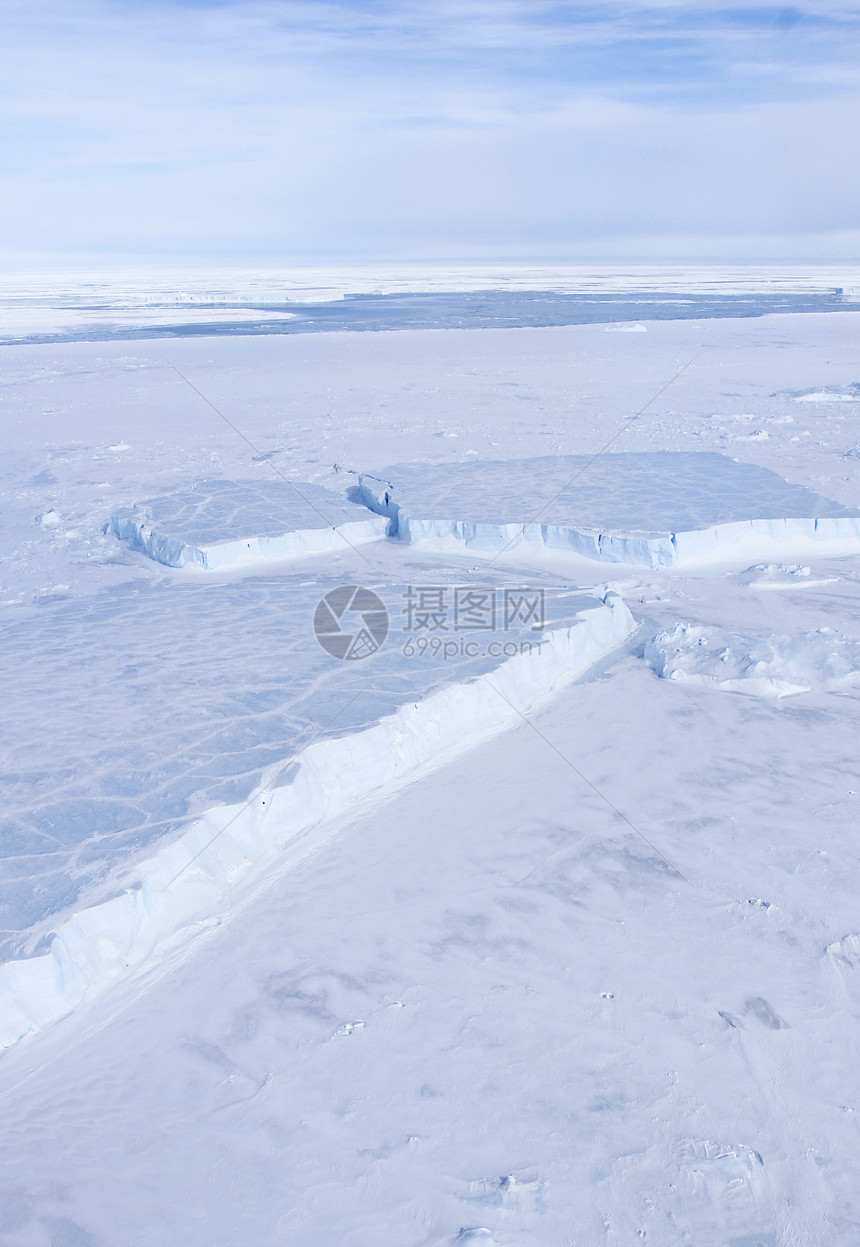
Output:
x,y
190,880
215,524
657,509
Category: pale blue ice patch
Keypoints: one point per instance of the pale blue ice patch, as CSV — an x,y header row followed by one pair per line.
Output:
x,y
652,492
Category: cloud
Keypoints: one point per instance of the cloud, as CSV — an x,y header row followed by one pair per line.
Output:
x,y
289,128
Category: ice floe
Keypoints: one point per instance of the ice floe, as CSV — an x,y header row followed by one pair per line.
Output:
x,y
654,508
189,879
130,711
219,523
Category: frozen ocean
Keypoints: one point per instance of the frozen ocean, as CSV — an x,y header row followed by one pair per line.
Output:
x,y
429,762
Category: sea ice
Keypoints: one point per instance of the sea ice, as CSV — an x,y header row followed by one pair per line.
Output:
x,y
659,508
233,713
589,952
219,523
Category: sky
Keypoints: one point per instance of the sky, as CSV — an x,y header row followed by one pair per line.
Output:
x,y
290,130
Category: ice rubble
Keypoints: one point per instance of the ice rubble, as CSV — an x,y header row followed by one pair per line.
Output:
x,y
827,394
771,666
189,881
218,523
783,576
658,508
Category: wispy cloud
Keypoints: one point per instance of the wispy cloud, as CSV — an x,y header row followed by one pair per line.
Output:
x,y
236,127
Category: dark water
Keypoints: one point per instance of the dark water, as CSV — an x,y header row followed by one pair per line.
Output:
x,y
470,310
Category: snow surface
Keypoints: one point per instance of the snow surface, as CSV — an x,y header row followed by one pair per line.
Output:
x,y
192,877
220,523
591,979
657,507
133,710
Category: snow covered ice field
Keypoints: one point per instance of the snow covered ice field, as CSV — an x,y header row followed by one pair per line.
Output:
x,y
216,523
657,508
591,978
213,687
